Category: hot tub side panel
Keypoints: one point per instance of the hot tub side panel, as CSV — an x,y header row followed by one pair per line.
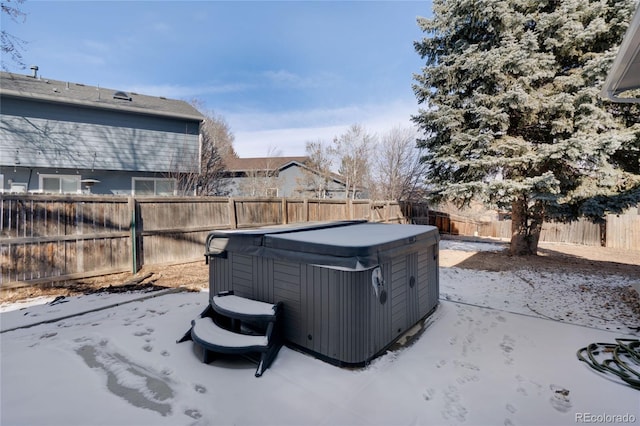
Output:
x,y
411,281
381,315
335,313
428,280
233,272
286,289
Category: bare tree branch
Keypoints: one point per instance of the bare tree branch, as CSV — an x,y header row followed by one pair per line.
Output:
x,y
203,175
353,150
398,173
316,179
12,45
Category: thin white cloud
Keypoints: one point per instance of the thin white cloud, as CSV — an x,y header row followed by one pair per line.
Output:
x,y
284,78
95,45
290,141
161,27
260,120
80,59
290,136
174,91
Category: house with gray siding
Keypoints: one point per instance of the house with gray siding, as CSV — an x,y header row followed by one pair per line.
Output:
x,y
281,177
63,137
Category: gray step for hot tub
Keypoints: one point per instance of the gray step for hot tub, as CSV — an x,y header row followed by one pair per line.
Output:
x,y
241,308
240,326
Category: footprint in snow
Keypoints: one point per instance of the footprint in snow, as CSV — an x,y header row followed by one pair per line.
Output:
x,y
467,378
453,408
560,398
507,346
193,413
429,394
136,384
467,365
527,386
48,335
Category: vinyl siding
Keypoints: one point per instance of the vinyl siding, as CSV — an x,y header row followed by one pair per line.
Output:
x,y
287,289
39,134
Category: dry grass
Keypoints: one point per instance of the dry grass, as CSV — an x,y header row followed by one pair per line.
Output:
x,y
192,276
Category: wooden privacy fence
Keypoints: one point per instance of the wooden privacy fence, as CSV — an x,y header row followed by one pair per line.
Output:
x,y
46,238
43,238
618,231
623,231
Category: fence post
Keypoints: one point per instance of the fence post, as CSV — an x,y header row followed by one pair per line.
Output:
x,y
387,213
134,237
233,220
285,213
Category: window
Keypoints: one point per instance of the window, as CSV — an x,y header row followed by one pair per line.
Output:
x,y
154,186
18,187
1,183
60,184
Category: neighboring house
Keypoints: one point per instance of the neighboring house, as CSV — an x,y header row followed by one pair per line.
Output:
x,y
281,177
62,137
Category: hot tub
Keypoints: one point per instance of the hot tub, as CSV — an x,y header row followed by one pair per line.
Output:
x,y
349,289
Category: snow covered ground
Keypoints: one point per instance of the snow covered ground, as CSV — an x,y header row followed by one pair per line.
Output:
x,y
499,350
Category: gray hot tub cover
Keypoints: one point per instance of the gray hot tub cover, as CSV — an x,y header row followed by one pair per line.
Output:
x,y
352,245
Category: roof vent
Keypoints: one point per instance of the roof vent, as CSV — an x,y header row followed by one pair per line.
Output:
x,y
34,69
122,96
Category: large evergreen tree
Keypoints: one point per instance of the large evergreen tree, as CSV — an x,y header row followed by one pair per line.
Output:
x,y
513,114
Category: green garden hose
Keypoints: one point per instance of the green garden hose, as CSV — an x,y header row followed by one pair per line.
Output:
x,y
621,359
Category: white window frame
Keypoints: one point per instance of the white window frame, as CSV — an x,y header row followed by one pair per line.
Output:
x,y
76,178
18,188
155,181
1,183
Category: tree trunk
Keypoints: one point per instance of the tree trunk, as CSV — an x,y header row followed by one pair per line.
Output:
x,y
526,225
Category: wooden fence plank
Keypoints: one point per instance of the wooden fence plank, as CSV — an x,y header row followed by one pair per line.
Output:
x,y
623,231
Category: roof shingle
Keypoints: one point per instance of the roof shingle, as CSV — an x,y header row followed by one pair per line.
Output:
x,y
261,163
24,86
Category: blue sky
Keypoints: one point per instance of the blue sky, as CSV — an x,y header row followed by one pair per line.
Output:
x,y
280,73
